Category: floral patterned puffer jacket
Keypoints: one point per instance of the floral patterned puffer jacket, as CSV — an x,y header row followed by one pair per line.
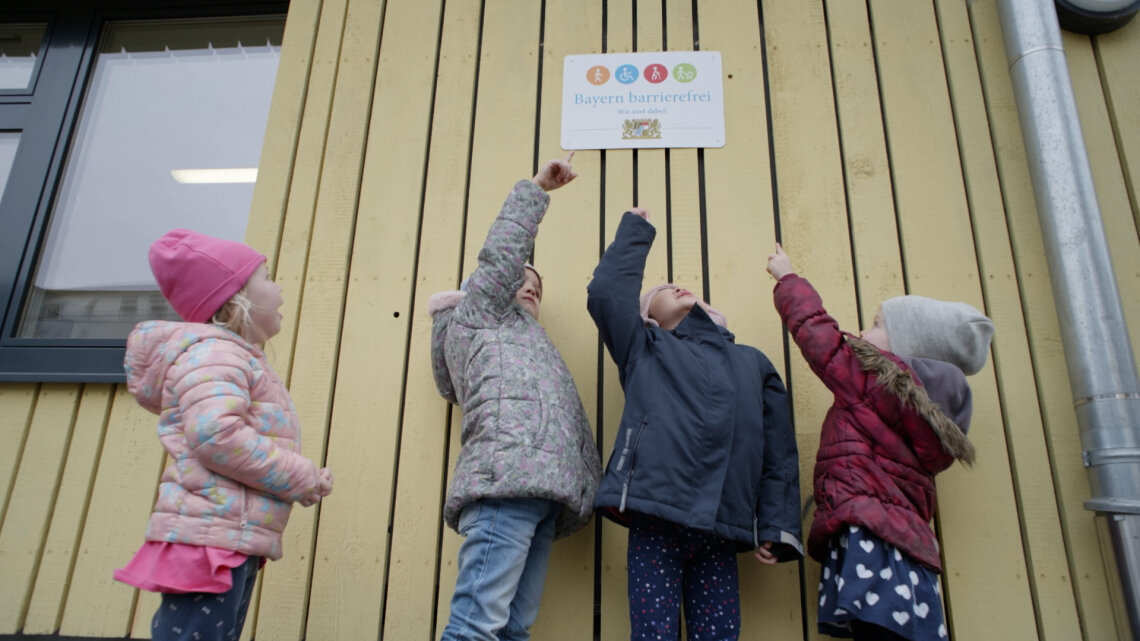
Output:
x,y
525,432
232,434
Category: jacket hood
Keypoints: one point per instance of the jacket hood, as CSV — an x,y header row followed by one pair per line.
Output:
x,y
900,383
153,346
946,385
443,301
699,324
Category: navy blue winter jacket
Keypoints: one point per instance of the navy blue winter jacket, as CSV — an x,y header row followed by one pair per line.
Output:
x,y
705,439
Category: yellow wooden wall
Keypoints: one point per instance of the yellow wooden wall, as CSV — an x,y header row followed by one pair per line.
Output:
x,y
878,139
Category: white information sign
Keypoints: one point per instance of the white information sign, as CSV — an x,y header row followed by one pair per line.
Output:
x,y
641,100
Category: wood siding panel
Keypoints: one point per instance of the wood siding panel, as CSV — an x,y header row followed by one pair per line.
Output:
x,y
741,231
1108,172
45,609
812,214
285,593
122,497
366,429
620,194
1070,480
993,595
413,588
279,152
319,29
33,494
894,164
565,256
17,402
1117,53
1041,530
502,153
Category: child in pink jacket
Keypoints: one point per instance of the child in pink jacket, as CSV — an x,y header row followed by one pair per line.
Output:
x,y
230,429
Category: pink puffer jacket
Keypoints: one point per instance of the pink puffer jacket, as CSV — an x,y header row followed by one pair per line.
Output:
x,y
231,429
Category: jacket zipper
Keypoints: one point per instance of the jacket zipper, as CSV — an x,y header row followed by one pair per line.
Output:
x,y
621,461
244,517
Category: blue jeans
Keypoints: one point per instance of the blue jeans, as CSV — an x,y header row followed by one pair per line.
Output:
x,y
502,568
204,616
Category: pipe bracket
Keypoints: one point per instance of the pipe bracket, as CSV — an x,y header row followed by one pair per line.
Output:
x,y
1106,397
1111,455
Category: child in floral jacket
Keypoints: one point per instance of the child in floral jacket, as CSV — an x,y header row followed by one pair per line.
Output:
x,y
529,467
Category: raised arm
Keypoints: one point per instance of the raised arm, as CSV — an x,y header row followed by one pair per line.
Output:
x,y
499,274
814,331
613,293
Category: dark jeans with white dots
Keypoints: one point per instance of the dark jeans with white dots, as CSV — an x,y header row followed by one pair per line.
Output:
x,y
670,564
204,616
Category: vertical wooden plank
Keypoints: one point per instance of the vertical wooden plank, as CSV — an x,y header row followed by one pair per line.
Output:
x,y
651,174
414,556
449,545
283,130
503,144
1036,500
866,169
282,611
120,504
1108,174
987,595
45,610
319,26
740,211
502,150
33,495
618,197
295,143
16,404
565,254
1053,391
347,594
684,177
1117,53
812,213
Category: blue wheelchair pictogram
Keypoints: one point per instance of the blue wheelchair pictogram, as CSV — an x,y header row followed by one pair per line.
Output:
x,y
626,74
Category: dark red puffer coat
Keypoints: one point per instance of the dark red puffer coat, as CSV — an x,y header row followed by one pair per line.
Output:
x,y
883,439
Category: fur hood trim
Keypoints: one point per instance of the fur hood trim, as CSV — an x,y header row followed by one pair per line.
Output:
x,y
899,382
443,301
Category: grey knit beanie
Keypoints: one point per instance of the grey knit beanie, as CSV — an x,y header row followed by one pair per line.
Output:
x,y
927,328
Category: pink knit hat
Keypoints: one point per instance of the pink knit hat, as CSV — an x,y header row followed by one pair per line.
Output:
x,y
647,298
198,274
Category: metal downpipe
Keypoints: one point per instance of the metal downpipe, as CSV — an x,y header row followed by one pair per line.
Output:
x,y
1098,352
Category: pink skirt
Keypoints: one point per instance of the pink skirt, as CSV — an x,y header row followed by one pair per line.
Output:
x,y
178,568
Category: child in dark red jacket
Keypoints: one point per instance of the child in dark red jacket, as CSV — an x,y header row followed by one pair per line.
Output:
x,y
902,408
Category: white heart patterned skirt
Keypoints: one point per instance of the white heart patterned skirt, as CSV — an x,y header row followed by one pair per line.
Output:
x,y
867,579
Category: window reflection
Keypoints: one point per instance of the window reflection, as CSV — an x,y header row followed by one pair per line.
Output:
x,y
165,97
9,140
19,49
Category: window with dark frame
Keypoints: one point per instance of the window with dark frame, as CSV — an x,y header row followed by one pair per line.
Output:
x,y
119,120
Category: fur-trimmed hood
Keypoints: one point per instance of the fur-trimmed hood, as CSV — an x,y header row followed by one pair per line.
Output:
x,y
900,383
444,300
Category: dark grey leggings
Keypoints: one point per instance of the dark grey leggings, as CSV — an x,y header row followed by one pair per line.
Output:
x,y
205,616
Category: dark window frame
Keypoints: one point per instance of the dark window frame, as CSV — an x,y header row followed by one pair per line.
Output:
x,y
46,116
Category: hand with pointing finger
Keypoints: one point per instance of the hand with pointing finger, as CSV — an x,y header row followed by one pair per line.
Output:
x,y
779,264
555,173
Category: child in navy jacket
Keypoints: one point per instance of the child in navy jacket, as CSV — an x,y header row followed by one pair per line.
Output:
x,y
705,462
